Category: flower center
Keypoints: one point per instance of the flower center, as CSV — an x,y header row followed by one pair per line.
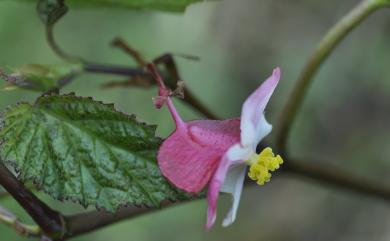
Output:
x,y
261,165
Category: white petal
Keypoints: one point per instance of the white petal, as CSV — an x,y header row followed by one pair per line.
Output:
x,y
233,185
252,114
237,154
263,128
251,135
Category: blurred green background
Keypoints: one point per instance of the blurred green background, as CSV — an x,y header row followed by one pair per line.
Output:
x,y
344,120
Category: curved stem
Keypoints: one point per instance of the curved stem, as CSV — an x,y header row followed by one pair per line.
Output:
x,y
324,49
56,48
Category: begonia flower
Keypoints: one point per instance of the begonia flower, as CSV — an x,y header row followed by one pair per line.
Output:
x,y
216,153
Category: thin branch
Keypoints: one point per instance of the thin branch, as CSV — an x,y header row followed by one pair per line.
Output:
x,y
334,176
331,39
325,174
87,222
50,221
166,59
189,98
11,220
120,43
115,70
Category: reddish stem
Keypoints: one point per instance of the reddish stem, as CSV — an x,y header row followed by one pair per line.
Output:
x,y
164,93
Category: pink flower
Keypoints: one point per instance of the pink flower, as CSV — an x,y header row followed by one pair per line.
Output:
x,y
217,152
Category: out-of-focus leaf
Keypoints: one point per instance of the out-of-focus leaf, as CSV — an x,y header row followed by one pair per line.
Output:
x,y
86,151
50,11
165,5
41,77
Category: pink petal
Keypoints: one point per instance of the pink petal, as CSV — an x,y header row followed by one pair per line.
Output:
x,y
220,135
254,127
232,172
213,191
189,157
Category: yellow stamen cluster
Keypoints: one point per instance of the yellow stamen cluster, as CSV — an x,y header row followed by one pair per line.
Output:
x,y
261,165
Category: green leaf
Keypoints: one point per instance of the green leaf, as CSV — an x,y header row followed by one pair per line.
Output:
x,y
50,11
41,77
83,150
165,5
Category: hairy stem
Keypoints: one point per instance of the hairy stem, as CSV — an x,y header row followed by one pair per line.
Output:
x,y
331,39
50,221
